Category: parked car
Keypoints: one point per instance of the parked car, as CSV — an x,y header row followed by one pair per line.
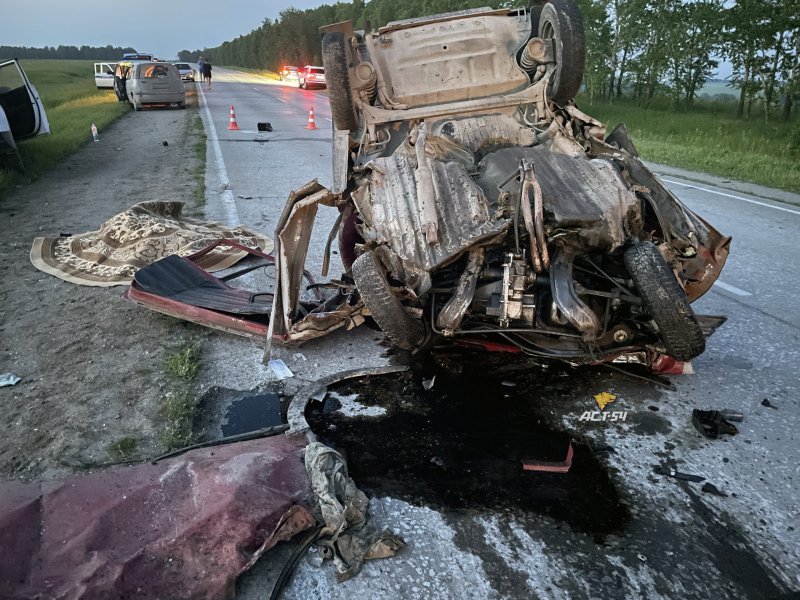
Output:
x,y
154,83
21,110
186,71
479,203
311,76
290,74
104,74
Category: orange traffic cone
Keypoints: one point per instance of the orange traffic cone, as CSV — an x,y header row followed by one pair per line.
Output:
x,y
311,123
233,124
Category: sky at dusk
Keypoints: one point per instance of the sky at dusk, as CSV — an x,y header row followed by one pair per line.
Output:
x,y
161,27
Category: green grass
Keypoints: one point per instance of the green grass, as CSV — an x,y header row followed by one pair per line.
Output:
x,y
177,410
184,363
123,449
178,406
710,139
199,193
72,103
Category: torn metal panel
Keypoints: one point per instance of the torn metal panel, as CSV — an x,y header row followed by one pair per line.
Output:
x,y
390,210
292,236
183,528
237,325
702,249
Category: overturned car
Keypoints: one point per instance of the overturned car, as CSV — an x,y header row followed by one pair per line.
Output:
x,y
478,202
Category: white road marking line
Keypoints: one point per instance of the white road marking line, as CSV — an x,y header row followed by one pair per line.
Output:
x,y
730,288
281,100
228,201
697,187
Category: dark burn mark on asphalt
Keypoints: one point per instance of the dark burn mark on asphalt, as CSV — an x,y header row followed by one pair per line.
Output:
x,y
460,444
647,423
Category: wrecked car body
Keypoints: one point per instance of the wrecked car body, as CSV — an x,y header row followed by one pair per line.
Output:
x,y
479,202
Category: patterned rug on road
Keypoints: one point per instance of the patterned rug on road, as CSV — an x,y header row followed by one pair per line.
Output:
x,y
137,237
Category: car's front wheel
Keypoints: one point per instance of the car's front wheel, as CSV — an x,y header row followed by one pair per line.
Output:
x,y
401,329
665,301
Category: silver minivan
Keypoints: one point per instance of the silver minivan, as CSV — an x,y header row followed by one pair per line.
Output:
x,y
154,83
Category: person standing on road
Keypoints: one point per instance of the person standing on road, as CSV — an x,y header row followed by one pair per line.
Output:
x,y
200,65
207,74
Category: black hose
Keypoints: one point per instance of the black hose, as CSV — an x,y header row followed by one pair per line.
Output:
x,y
288,569
241,437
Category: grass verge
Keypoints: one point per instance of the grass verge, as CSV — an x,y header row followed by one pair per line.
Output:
x,y
199,147
178,406
710,139
72,103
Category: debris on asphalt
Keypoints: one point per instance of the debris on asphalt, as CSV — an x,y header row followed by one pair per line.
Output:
x,y
662,364
299,356
264,126
547,466
768,404
675,474
506,383
348,537
712,423
165,143
9,379
243,197
279,368
732,415
710,488
429,383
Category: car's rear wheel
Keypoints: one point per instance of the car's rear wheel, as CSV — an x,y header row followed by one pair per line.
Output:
x,y
561,21
337,76
665,301
401,329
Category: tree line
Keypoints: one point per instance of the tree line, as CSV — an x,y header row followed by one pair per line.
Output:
x,y
65,52
642,49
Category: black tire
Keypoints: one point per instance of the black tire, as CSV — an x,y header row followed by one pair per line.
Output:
x,y
401,329
561,20
665,301
337,76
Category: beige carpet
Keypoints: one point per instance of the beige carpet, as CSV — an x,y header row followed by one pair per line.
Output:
x,y
135,238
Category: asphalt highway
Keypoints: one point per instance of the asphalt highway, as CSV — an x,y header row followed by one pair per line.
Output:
x,y
675,541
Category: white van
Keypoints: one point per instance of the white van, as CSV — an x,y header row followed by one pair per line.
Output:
x,y
104,74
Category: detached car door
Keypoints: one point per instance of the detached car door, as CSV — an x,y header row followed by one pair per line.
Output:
x,y
104,74
21,111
